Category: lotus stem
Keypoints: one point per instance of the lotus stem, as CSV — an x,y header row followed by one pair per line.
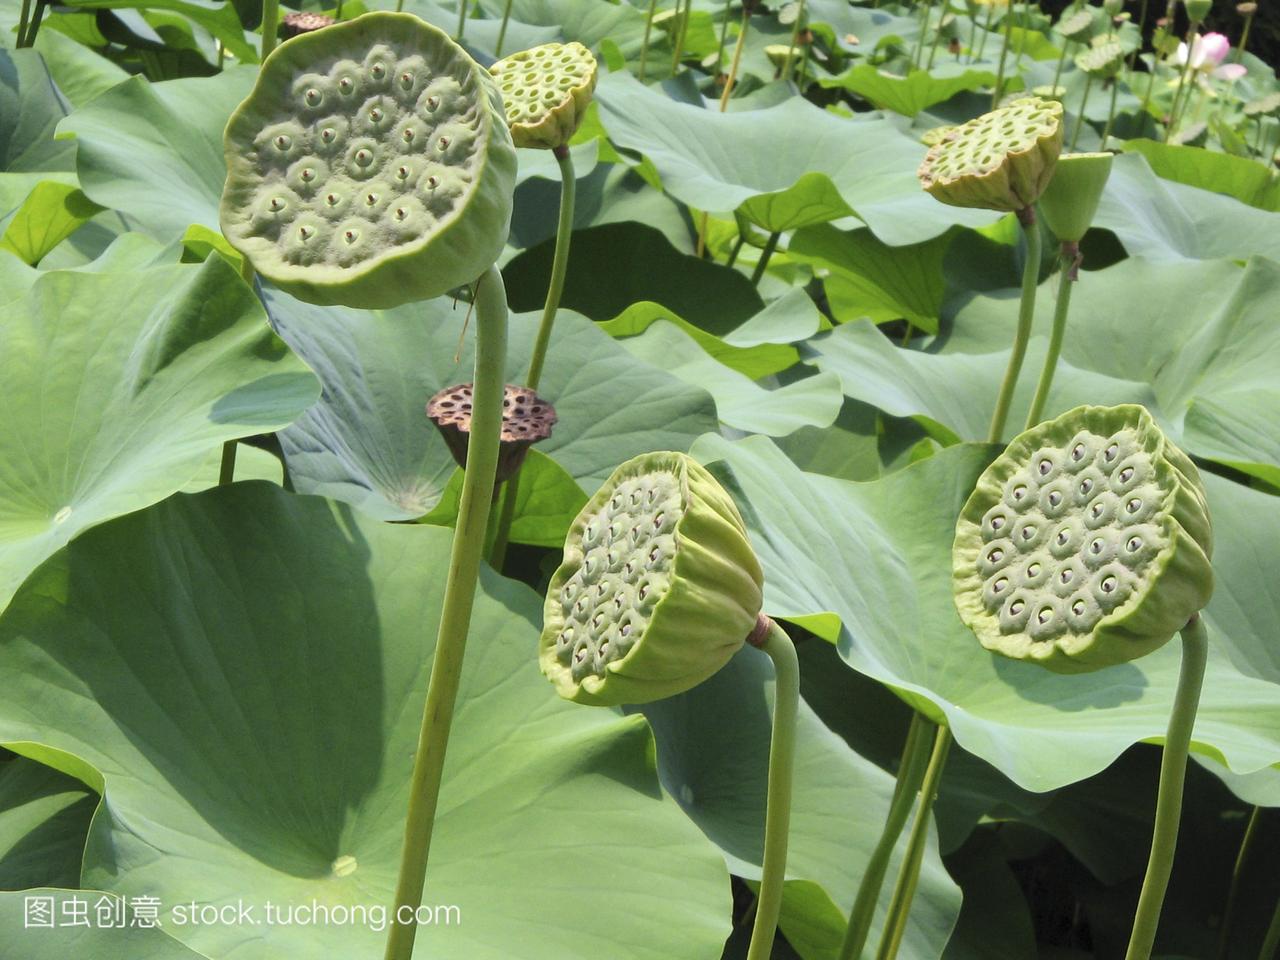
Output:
x,y
559,266
791,48
227,468
1151,83
917,50
1004,54
986,29
23,18
502,30
455,616
1173,767
1111,112
911,769
681,27
731,79
1233,893
648,29
909,873
462,20
1084,101
973,37
1057,73
1026,311
1142,23
737,249
1192,32
937,39
270,25
1244,37
1069,262
34,29
770,245
1271,942
724,35
782,749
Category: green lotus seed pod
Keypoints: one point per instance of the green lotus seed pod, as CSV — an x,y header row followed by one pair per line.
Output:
x,y
1085,544
935,135
1264,105
369,166
1001,160
1103,59
1048,91
658,588
1197,10
546,91
1070,202
1078,27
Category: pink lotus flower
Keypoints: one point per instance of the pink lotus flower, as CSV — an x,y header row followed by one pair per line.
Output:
x,y
1207,53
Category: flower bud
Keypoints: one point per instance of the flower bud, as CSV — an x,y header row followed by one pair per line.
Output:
x,y
1070,202
1085,544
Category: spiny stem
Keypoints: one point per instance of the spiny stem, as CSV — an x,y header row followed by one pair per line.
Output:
x,y
23,17
648,29
1026,312
782,750
559,267
1242,857
455,615
502,30
270,25
770,245
1069,261
227,468
915,757
909,873
1173,768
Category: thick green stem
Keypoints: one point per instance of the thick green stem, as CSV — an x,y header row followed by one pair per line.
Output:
x,y
23,17
227,468
462,20
559,265
904,890
917,49
777,821
681,26
1172,126
937,39
736,64
1026,311
1233,893
34,29
1062,58
648,29
502,30
1111,112
762,264
986,30
795,39
1244,38
1004,54
270,25
1173,768
915,757
455,616
1068,262
1084,102
1271,942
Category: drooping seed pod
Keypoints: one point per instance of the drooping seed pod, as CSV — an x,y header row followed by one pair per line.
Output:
x,y
526,420
1001,160
546,90
1085,544
658,588
1071,200
370,165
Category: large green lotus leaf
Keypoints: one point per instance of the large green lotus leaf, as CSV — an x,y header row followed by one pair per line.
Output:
x,y
585,21
784,167
869,566
244,671
741,403
907,95
52,212
481,35
44,816
153,151
219,19
30,108
759,347
1240,177
1159,219
369,442
117,388
17,910
995,922
79,72
867,25
1197,343
868,278
713,751
641,264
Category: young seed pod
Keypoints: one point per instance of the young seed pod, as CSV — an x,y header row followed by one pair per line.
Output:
x,y
658,588
1117,558
546,90
1001,160
1102,60
391,104
526,419
1070,202
1078,26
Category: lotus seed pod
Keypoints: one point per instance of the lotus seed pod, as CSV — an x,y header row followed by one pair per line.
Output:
x,y
1077,27
1048,91
526,419
1001,160
658,588
1263,106
546,91
369,166
1197,10
1103,59
935,135
1070,202
296,23
1085,544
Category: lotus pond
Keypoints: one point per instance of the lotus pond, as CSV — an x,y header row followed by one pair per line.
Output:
x,y
642,480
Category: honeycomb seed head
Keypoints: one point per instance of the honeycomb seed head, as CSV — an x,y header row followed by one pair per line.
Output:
x,y
1071,199
1085,544
1103,59
526,419
386,106
658,588
1002,160
1078,26
546,91
295,23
